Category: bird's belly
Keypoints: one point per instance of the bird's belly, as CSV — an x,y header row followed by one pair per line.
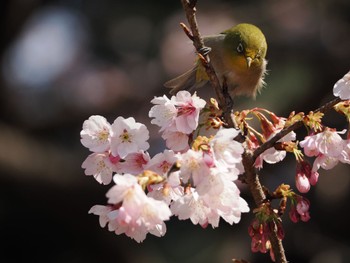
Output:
x,y
245,83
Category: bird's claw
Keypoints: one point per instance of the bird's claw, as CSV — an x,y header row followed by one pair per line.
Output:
x,y
205,50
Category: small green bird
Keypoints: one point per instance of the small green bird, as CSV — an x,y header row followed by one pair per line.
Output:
x,y
237,55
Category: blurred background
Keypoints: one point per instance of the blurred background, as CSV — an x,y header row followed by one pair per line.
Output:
x,y
62,61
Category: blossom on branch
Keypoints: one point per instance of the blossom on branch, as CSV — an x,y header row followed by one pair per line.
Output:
x,y
96,134
328,147
136,214
128,136
177,117
99,166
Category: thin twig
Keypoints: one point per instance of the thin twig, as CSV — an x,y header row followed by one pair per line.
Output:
x,y
195,36
270,143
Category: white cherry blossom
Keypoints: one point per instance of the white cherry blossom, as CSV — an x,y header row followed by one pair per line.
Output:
x,y
128,136
99,166
96,134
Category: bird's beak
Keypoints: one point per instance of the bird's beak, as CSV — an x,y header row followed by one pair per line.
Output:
x,y
249,61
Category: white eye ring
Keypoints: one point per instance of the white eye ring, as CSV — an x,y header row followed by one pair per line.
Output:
x,y
240,48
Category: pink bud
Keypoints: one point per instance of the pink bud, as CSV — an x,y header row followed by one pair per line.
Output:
x,y
302,208
305,217
313,178
302,183
293,215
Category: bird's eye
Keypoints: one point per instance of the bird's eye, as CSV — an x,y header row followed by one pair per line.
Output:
x,y
240,48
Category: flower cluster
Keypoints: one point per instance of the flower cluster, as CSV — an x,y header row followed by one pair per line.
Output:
x,y
262,227
193,179
299,209
329,148
177,117
270,125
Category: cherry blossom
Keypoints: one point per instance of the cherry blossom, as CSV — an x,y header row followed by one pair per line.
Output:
x,y
179,114
169,191
162,162
328,147
134,163
96,134
102,211
135,213
341,88
191,206
176,141
193,166
128,136
99,166
227,152
164,112
215,196
272,155
188,108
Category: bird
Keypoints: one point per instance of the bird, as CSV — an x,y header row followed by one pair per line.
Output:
x,y
238,58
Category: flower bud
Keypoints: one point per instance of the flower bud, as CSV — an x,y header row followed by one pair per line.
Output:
x,y
302,183
313,178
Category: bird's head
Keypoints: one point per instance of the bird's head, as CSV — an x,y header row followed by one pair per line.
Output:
x,y
246,46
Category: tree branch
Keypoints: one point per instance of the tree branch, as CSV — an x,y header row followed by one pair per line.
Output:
x,y
226,104
195,36
270,143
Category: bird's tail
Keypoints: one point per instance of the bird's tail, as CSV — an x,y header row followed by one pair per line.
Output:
x,y
187,81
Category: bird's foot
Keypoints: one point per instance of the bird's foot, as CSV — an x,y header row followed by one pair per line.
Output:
x,y
205,50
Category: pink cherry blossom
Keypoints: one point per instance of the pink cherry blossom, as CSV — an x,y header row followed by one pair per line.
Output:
x,y
191,206
325,162
162,162
176,141
128,137
164,112
328,147
188,108
135,213
179,114
96,134
272,155
169,191
99,166
329,143
134,163
310,146
102,211
226,151
192,166
225,202
341,88
214,197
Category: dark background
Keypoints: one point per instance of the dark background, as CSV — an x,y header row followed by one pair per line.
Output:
x,y
62,61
